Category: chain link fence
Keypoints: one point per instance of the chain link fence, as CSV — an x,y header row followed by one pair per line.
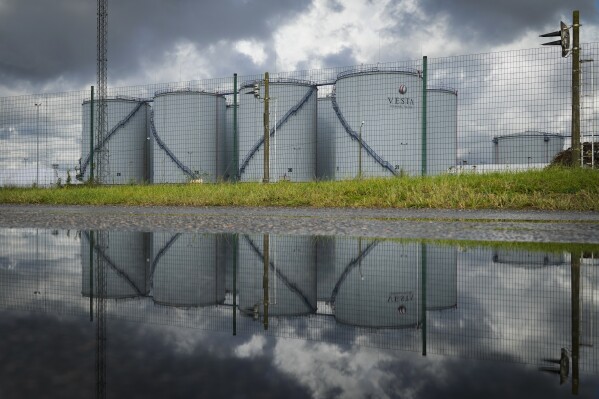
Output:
x,y
487,112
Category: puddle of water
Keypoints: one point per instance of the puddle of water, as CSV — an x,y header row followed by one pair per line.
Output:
x,y
173,314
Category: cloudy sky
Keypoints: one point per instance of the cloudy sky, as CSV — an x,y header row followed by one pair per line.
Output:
x,y
50,45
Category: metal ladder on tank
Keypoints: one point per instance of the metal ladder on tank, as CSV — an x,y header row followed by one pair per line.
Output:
x,y
356,136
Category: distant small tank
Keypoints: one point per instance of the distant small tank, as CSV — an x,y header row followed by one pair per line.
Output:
x,y
530,147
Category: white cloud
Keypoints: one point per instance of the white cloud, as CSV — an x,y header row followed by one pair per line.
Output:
x,y
323,31
252,49
326,368
253,348
184,62
369,30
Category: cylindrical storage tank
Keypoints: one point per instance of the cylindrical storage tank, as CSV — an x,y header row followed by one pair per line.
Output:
x,y
381,288
326,271
125,256
330,131
188,129
230,144
383,108
293,108
441,276
528,259
291,275
591,259
127,142
441,129
336,255
185,271
527,148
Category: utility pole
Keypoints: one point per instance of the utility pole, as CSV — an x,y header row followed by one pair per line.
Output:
x,y
564,42
576,89
576,255
266,264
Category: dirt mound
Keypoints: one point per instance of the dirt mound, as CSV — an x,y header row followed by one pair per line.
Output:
x,y
564,158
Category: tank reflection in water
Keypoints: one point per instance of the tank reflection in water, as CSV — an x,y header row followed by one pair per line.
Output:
x,y
288,284
379,286
126,255
457,303
185,271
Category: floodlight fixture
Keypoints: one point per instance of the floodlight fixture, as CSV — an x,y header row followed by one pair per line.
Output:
x,y
564,35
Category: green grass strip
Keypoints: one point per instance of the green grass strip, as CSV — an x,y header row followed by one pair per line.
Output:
x,y
549,189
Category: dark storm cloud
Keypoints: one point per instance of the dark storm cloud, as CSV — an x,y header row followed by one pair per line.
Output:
x,y
343,58
498,22
46,40
475,379
54,357
335,5
43,41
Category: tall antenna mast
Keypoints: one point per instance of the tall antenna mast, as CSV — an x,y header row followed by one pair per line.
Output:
x,y
102,174
102,157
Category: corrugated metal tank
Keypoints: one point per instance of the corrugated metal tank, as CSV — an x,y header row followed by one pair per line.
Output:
x,y
380,287
383,106
441,276
229,155
326,268
528,259
129,150
188,129
529,147
185,271
293,109
335,255
441,129
291,275
126,259
329,132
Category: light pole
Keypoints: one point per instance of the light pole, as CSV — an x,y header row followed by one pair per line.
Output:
x,y
55,167
37,127
360,151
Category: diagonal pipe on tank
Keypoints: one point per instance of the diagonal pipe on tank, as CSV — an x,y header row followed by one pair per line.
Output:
x,y
294,288
170,154
113,266
350,266
356,137
280,123
160,254
111,133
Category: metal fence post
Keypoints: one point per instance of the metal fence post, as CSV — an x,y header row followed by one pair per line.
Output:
x,y
235,145
424,85
91,137
423,262
266,131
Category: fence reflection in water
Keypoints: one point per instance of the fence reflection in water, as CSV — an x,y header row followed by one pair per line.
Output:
x,y
479,300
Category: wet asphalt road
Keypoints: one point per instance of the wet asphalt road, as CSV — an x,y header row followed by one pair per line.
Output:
x,y
480,225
